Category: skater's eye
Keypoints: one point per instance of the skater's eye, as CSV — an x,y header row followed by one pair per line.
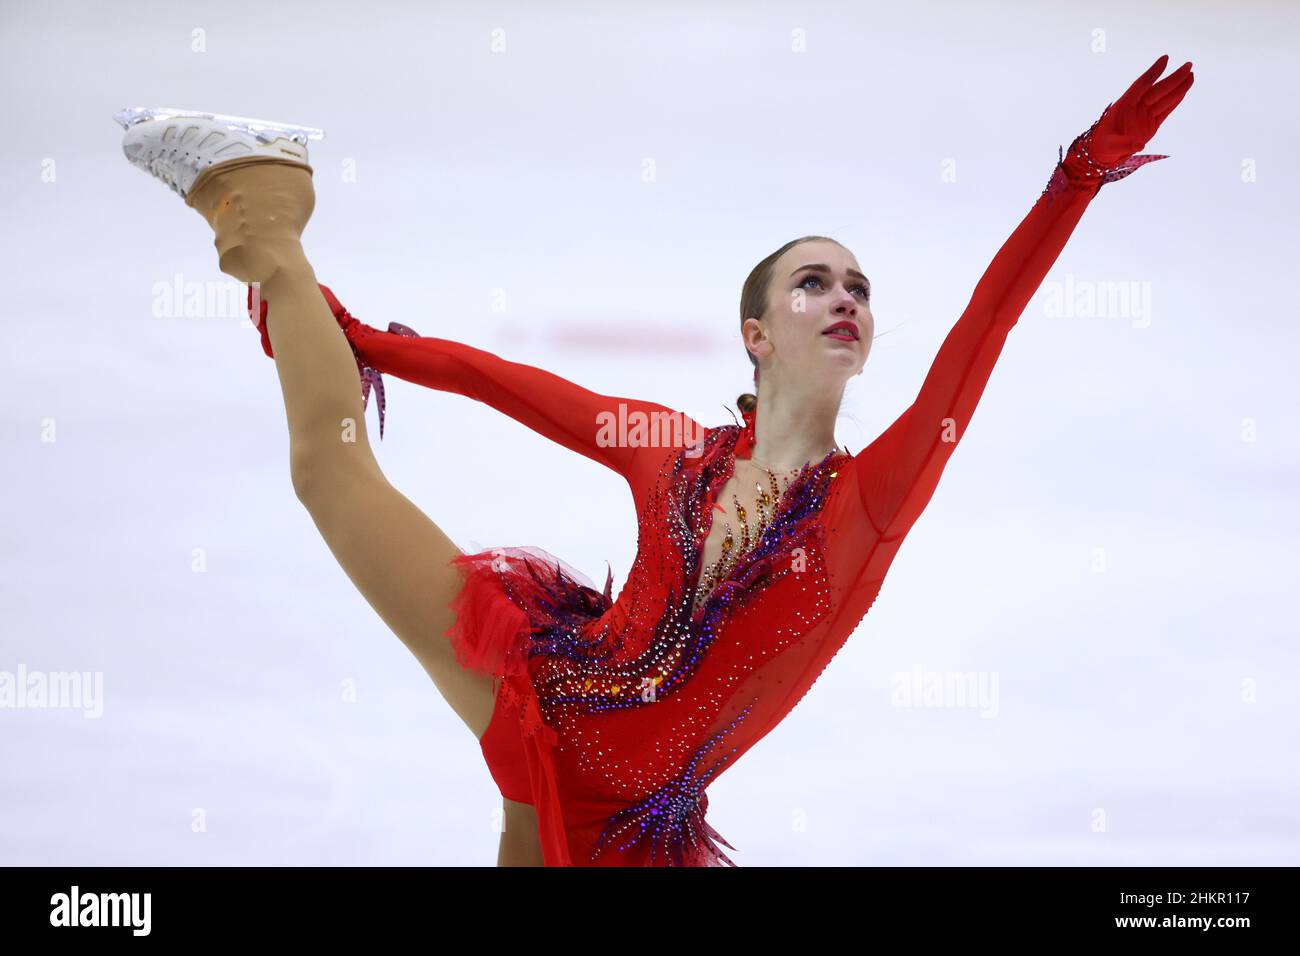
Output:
x,y
866,292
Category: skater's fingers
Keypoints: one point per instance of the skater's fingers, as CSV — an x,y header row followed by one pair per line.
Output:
x,y
1174,96
1168,85
1143,82
1159,90
1173,92
1168,104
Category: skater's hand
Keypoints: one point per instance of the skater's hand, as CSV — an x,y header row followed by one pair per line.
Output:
x,y
1132,120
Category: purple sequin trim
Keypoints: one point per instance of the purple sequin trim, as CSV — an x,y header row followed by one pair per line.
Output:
x,y
370,376
1094,172
672,818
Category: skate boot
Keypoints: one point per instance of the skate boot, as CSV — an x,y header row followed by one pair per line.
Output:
x,y
182,148
244,176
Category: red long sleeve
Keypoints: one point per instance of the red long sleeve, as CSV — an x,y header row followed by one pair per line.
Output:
x,y
614,431
899,471
603,428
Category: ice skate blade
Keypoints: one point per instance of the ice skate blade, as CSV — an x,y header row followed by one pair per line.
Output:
x,y
265,131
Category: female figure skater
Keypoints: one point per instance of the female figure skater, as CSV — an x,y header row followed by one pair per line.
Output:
x,y
762,545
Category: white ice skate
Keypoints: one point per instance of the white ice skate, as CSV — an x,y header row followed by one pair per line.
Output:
x,y
175,146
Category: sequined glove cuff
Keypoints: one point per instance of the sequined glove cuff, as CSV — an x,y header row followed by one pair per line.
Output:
x,y
1080,169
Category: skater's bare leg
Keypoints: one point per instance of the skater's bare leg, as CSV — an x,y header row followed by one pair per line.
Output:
x,y
396,557
520,844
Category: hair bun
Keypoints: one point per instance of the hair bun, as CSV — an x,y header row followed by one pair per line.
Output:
x,y
747,403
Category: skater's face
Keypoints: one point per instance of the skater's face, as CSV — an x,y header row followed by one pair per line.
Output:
x,y
815,286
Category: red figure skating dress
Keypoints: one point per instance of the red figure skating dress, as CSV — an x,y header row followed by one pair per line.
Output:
x,y
617,711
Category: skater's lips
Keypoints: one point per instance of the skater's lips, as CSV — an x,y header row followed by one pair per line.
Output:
x,y
839,328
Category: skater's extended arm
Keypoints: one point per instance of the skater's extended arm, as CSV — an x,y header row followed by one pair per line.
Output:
x,y
608,429
601,427
899,471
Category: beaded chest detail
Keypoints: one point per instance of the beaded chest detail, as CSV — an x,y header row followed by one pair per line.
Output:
x,y
588,673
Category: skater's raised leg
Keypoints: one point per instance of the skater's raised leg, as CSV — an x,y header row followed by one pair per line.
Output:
x,y
258,202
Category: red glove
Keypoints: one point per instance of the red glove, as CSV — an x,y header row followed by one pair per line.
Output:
x,y
341,315
356,332
1128,124
1107,150
259,322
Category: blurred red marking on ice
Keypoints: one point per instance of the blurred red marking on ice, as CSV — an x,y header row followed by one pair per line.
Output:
x,y
650,338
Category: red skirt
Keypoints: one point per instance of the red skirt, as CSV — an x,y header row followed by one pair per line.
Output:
x,y
510,596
